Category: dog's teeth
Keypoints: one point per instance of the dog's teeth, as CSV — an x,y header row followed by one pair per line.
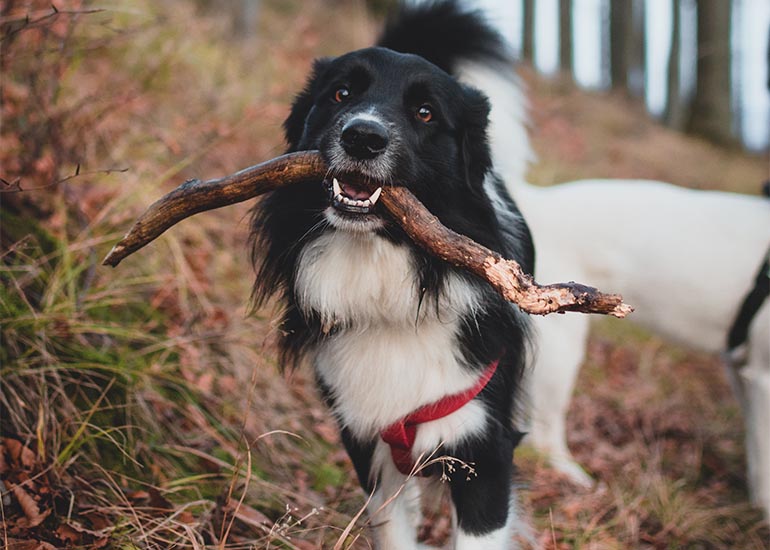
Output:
x,y
341,198
375,196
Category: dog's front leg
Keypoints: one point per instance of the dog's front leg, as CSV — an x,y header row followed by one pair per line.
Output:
x,y
394,506
482,498
394,509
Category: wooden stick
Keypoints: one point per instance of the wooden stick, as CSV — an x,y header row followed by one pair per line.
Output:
x,y
195,196
505,276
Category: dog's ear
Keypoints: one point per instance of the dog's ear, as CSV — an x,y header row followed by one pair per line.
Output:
x,y
474,144
294,125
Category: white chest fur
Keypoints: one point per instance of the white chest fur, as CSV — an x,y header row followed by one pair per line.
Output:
x,y
357,278
382,363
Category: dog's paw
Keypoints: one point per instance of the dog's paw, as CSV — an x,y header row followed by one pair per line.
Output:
x,y
573,472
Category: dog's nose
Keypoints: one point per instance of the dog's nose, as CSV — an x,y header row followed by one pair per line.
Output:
x,y
364,139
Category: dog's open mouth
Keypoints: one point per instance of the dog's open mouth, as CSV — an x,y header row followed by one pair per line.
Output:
x,y
348,197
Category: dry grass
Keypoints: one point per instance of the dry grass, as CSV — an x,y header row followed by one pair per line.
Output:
x,y
141,406
150,401
658,428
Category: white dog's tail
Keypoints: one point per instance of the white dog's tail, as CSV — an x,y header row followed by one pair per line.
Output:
x,y
466,45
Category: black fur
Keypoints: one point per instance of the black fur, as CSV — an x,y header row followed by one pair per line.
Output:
x,y
444,34
444,163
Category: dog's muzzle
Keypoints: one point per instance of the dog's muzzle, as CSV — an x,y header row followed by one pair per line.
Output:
x,y
359,155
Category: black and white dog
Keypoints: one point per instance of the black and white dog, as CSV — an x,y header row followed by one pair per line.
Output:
x,y
415,358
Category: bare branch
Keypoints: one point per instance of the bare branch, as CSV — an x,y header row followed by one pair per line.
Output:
x,y
195,196
505,276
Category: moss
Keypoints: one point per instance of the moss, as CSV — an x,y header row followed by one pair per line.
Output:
x,y
16,228
328,475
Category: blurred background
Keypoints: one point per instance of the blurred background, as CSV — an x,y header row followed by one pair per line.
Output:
x,y
142,406
700,66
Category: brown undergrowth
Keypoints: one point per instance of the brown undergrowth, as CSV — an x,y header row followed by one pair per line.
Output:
x,y
142,408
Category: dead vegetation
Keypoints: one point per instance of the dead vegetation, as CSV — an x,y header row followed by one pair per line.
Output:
x,y
143,408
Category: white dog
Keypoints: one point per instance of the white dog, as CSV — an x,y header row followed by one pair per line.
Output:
x,y
685,259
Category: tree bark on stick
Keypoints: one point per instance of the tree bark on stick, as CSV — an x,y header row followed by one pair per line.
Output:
x,y
195,196
425,229
506,276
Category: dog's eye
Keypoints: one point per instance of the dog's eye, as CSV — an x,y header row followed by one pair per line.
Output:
x,y
341,94
425,113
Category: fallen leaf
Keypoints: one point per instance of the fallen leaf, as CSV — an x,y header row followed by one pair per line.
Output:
x,y
77,527
19,454
19,544
137,495
186,517
99,521
3,463
247,514
68,535
29,506
158,502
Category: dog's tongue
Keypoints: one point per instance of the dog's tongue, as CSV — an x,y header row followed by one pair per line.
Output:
x,y
355,192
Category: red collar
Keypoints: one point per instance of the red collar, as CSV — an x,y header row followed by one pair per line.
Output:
x,y
401,434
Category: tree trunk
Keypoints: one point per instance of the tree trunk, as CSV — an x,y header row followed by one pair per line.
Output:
x,y
528,39
621,32
675,106
565,37
636,57
710,116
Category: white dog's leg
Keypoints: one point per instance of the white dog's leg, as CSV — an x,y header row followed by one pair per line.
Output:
x,y
757,411
755,377
561,346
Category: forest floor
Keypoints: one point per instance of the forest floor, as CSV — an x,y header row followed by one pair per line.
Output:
x,y
143,407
